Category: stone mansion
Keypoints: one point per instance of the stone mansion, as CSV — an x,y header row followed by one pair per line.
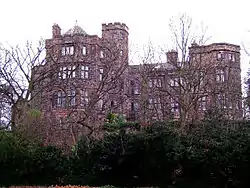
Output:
x,y
91,77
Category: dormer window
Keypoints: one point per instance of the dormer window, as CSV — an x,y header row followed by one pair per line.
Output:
x,y
84,51
67,50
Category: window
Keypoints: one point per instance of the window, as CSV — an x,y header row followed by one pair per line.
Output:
x,y
203,103
60,73
136,90
71,72
71,97
174,82
101,54
101,74
100,104
201,78
64,74
220,75
67,72
150,101
155,103
221,99
174,105
63,51
113,104
134,106
220,55
238,105
84,98
84,51
150,83
84,71
67,50
61,99
231,57
154,82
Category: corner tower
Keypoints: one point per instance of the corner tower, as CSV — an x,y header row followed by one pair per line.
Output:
x,y
118,33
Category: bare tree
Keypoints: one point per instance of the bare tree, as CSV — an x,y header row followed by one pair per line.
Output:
x,y
200,78
144,87
15,74
186,86
184,34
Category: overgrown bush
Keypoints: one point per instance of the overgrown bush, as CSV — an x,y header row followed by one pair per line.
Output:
x,y
209,154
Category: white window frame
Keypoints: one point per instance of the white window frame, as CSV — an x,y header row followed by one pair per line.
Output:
x,y
150,83
61,99
64,73
63,50
100,104
220,75
101,54
101,72
60,73
203,103
136,89
85,71
84,98
121,53
84,50
174,105
150,102
220,55
174,82
67,50
71,94
71,71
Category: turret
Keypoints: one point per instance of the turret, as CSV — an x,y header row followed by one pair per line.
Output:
x,y
115,31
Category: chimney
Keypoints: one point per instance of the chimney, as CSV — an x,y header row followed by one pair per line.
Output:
x,y
172,56
56,31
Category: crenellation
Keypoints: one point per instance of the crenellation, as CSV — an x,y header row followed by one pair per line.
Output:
x,y
114,26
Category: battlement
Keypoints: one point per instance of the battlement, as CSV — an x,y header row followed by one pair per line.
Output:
x,y
215,47
115,25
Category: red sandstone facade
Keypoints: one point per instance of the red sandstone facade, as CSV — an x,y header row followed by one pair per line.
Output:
x,y
91,77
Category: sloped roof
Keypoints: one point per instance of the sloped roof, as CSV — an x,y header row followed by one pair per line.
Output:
x,y
76,30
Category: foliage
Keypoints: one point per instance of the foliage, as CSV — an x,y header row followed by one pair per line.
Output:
x,y
213,153
23,162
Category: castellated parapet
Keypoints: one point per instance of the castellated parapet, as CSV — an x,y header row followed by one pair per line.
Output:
x,y
115,26
214,47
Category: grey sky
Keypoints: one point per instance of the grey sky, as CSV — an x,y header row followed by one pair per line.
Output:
x,y
227,20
